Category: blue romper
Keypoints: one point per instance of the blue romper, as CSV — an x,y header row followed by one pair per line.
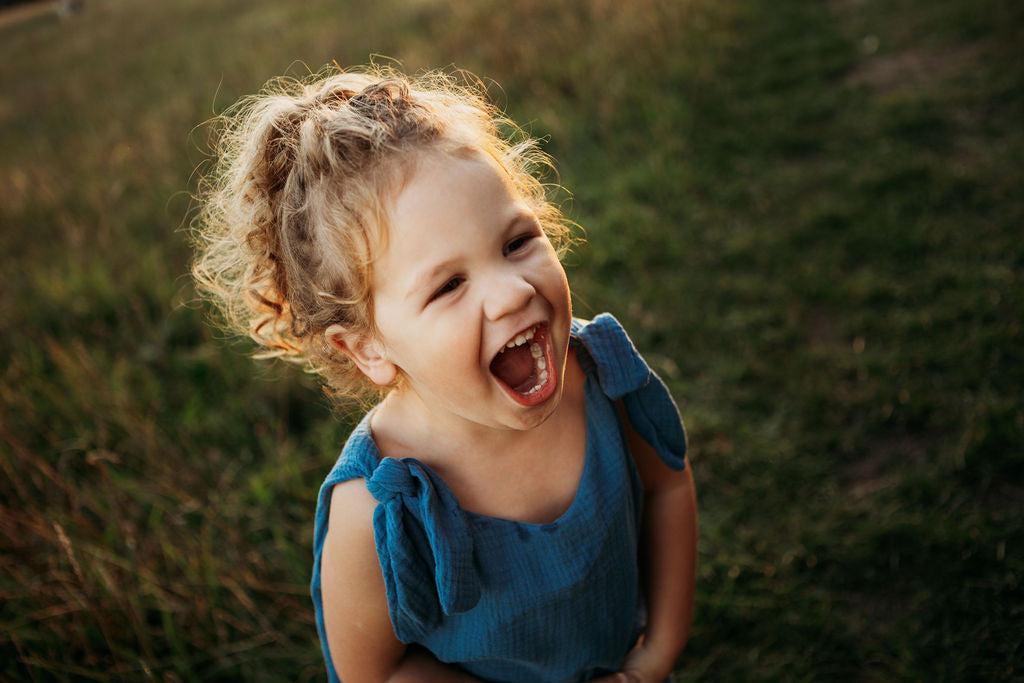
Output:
x,y
507,600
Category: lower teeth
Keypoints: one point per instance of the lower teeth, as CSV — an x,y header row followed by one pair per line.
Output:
x,y
543,379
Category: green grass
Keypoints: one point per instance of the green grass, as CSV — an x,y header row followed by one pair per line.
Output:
x,y
808,215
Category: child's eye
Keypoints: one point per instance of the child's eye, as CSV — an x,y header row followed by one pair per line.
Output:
x,y
448,287
517,243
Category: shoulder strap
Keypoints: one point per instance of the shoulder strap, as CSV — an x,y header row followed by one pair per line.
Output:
x,y
424,543
623,374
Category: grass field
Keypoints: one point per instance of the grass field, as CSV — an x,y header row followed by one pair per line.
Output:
x,y
808,215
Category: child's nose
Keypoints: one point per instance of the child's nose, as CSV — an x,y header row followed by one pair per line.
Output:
x,y
507,295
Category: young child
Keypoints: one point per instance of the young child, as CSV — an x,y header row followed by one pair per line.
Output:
x,y
517,506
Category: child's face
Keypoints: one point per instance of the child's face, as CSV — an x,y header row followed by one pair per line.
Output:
x,y
467,271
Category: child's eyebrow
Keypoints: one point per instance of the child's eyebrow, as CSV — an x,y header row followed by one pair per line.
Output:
x,y
427,277
523,215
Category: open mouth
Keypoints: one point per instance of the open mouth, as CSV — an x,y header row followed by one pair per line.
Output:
x,y
524,366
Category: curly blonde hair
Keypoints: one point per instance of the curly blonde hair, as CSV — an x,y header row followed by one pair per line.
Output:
x,y
295,208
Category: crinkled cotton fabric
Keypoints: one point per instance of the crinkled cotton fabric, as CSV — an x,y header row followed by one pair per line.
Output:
x,y
507,600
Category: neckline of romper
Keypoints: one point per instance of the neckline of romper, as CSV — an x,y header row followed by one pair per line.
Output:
x,y
445,491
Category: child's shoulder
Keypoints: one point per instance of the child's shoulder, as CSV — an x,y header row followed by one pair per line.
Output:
x,y
349,536
351,503
352,507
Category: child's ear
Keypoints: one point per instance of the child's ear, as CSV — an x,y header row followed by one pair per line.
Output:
x,y
366,352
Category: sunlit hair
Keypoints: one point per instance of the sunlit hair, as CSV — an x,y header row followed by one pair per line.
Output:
x,y
294,210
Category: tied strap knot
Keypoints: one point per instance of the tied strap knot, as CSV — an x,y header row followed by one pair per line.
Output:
x,y
425,547
391,479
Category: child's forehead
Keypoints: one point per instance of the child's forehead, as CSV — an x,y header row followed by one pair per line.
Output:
x,y
422,163
448,186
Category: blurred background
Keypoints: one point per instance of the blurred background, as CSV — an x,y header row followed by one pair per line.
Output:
x,y
807,214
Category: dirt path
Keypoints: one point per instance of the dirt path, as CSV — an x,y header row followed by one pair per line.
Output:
x,y
19,13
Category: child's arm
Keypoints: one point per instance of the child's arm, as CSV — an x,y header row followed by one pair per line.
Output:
x,y
670,554
359,633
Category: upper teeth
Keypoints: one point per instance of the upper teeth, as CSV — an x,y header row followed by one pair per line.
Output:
x,y
522,338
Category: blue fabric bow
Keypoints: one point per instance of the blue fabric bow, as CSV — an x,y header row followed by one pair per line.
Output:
x,y
412,551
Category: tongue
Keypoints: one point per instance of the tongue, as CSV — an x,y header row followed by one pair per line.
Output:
x,y
514,367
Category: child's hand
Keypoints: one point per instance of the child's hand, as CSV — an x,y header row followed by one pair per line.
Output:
x,y
642,665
